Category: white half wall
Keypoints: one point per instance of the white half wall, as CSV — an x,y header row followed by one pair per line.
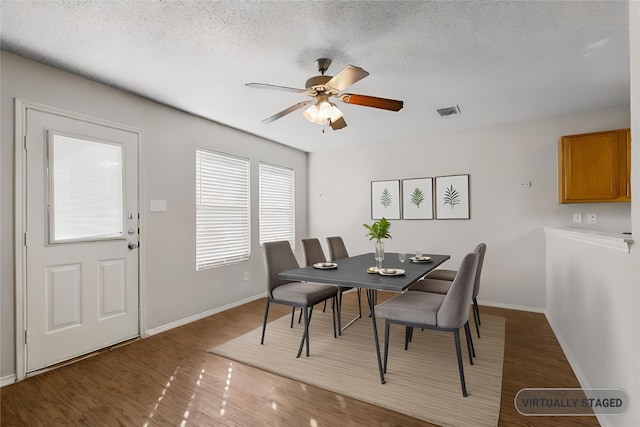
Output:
x,y
592,306
507,217
174,291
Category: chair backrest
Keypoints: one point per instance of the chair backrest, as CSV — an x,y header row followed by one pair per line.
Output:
x,y
337,249
278,257
313,252
481,249
454,311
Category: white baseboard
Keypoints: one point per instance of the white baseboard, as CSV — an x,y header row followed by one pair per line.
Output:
x,y
8,380
512,306
187,320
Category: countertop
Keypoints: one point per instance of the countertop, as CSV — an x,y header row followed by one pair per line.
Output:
x,y
616,241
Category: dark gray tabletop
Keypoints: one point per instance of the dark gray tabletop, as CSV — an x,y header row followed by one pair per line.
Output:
x,y
352,272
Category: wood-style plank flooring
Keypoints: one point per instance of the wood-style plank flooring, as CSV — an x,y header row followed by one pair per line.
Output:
x,y
170,380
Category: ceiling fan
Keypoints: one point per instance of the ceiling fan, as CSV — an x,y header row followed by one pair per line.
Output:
x,y
321,88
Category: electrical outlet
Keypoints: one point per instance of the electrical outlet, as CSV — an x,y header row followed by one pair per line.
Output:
x,y
246,275
592,218
577,217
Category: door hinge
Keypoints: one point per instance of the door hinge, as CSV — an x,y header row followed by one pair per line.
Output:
x,y
26,335
25,238
25,143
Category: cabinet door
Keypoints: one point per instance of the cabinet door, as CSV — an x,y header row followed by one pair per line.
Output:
x,y
594,167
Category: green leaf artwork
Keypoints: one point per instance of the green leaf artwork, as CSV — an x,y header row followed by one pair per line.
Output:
x,y
451,197
417,197
385,198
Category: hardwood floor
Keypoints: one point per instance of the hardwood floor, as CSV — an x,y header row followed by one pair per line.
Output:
x,y
170,380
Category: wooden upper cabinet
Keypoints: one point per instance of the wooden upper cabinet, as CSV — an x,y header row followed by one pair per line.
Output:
x,y
595,167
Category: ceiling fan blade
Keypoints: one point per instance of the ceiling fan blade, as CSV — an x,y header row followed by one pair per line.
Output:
x,y
338,124
274,87
287,111
372,101
345,78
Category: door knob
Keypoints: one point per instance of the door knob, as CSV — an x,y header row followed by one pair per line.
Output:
x,y
133,245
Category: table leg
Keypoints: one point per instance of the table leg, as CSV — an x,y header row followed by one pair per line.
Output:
x,y
371,299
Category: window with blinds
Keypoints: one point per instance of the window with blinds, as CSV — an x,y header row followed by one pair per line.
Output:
x,y
223,234
276,203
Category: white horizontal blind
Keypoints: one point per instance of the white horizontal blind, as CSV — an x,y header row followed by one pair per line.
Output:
x,y
222,210
276,203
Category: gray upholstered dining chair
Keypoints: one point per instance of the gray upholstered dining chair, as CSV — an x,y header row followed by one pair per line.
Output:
x,y
426,310
313,254
439,281
337,249
279,257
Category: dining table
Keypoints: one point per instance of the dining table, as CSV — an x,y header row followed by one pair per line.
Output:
x,y
360,272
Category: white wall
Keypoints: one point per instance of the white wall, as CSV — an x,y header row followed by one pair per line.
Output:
x,y
174,290
505,216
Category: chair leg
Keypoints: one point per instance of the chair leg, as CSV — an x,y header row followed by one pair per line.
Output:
x,y
339,304
476,316
293,314
472,351
305,335
456,336
299,317
408,331
386,344
324,308
359,303
264,322
477,307
335,306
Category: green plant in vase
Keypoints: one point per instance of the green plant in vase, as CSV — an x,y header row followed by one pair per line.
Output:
x,y
377,231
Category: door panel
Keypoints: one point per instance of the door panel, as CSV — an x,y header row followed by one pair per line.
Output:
x,y
82,278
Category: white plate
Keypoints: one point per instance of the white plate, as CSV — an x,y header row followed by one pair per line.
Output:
x,y
421,259
391,271
325,265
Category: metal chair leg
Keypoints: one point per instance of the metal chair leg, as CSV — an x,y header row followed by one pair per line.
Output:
x,y
339,304
305,335
476,316
470,349
264,322
386,344
335,307
456,336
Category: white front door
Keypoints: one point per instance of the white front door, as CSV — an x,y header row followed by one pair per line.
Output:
x,y
81,237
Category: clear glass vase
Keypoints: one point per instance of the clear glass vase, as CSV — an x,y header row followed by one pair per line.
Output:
x,y
379,254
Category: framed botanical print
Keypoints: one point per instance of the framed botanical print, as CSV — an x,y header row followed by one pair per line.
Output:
x,y
385,199
452,197
417,198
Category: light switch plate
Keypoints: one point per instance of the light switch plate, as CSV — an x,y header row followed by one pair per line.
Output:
x,y
592,218
158,205
577,217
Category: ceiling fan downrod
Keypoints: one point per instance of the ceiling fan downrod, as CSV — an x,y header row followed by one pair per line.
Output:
x,y
323,65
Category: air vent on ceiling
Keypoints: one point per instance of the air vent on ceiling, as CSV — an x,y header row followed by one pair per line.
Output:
x,y
449,111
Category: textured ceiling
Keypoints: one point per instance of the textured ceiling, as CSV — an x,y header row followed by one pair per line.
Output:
x,y
498,61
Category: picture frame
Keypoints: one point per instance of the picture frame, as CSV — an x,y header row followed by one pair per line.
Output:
x,y
452,197
417,198
385,199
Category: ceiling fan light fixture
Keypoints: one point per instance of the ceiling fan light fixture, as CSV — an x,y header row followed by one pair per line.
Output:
x,y
313,115
322,111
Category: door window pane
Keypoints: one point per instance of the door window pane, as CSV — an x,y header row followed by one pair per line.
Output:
x,y
85,189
